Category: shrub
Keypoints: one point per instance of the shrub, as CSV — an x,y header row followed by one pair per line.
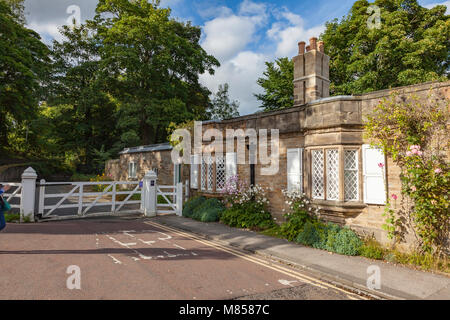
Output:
x,y
300,212
248,215
372,249
309,235
247,206
101,178
208,211
347,242
332,233
190,205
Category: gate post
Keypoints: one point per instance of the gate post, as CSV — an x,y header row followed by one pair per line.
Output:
x,y
29,177
149,194
179,198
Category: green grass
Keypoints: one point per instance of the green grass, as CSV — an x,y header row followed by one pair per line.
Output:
x,y
12,217
275,232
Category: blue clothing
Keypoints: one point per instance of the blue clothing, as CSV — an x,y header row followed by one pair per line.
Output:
x,y
2,215
2,220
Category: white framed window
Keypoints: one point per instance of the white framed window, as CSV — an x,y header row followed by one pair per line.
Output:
x,y
295,169
203,174
132,170
209,167
230,165
351,175
220,172
194,171
332,174
374,175
317,174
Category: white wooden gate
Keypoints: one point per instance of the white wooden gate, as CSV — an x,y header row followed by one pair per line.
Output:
x,y
87,201
62,200
166,199
14,197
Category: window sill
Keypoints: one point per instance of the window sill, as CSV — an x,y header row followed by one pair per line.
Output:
x,y
349,207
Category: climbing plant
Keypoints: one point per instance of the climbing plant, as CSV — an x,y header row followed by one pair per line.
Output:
x,y
413,131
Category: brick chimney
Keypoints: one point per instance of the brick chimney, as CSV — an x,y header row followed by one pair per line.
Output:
x,y
311,72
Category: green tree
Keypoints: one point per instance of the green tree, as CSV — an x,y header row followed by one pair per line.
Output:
x,y
221,106
84,113
277,84
152,64
24,68
411,46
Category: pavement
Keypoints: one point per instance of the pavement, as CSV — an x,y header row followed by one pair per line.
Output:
x,y
141,258
353,273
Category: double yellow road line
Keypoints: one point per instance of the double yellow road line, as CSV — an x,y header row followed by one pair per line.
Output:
x,y
289,272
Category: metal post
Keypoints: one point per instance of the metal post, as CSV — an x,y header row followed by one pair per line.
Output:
x,y
41,197
29,177
186,191
179,198
149,194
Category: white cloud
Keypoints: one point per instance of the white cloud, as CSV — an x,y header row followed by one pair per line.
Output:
x,y
289,31
241,74
226,36
248,7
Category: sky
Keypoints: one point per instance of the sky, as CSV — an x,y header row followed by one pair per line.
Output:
x,y
241,34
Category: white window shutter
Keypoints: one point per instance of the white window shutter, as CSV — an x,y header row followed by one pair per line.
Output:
x,y
194,171
294,169
374,188
230,165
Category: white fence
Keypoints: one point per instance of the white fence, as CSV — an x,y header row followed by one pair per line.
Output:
x,y
14,197
84,200
57,200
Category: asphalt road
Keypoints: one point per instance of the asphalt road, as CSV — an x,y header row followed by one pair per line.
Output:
x,y
133,258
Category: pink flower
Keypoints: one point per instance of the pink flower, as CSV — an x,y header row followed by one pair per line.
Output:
x,y
438,170
408,153
394,196
381,165
419,153
413,189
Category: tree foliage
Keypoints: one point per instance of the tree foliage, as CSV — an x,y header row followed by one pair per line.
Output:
x,y
410,47
151,63
221,106
277,84
24,68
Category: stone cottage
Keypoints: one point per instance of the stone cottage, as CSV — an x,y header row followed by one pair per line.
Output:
x,y
322,151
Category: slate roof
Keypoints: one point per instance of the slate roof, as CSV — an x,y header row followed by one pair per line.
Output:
x,y
148,148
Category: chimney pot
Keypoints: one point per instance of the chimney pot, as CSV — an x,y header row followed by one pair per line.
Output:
x,y
311,72
321,46
313,43
301,47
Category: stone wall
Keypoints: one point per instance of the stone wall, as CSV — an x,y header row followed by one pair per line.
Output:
x,y
335,122
146,161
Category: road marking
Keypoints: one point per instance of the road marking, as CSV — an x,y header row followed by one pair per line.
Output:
x,y
286,282
239,254
116,261
166,238
178,246
291,273
147,242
